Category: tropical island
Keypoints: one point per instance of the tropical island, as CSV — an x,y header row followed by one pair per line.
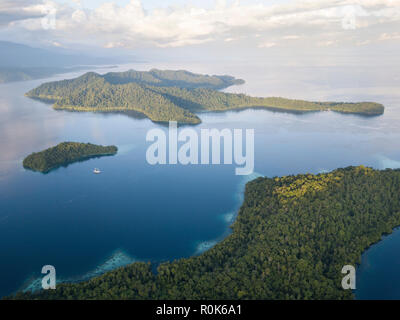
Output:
x,y
166,95
291,239
65,153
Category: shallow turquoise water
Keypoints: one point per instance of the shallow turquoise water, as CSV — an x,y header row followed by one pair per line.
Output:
x,y
85,224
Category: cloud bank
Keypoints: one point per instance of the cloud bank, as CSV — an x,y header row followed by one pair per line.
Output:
x,y
14,10
260,25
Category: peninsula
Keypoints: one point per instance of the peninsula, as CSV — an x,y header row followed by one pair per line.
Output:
x,y
165,96
291,239
65,153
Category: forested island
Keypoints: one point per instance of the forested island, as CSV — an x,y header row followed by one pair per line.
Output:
x,y
291,238
65,153
164,96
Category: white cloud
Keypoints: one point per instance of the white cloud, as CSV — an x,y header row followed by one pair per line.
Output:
x,y
267,44
390,36
14,10
112,25
56,44
79,16
327,43
291,37
111,45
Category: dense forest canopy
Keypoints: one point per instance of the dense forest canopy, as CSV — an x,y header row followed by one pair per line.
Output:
x,y
290,240
65,153
165,96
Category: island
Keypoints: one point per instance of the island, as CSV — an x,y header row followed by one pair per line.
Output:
x,y
65,153
290,240
166,95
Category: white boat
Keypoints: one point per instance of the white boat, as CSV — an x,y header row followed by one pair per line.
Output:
x,y
97,171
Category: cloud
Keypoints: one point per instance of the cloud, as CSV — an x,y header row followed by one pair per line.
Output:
x,y
112,25
390,36
267,44
328,43
56,44
111,45
291,37
14,10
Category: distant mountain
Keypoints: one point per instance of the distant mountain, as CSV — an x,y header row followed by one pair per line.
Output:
x,y
12,74
22,56
21,62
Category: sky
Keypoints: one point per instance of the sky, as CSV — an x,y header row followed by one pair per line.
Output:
x,y
231,25
154,4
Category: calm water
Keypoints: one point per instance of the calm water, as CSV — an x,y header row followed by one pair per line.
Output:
x,y
85,224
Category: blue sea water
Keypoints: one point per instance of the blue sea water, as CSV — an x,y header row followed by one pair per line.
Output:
x,y
378,274
86,224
